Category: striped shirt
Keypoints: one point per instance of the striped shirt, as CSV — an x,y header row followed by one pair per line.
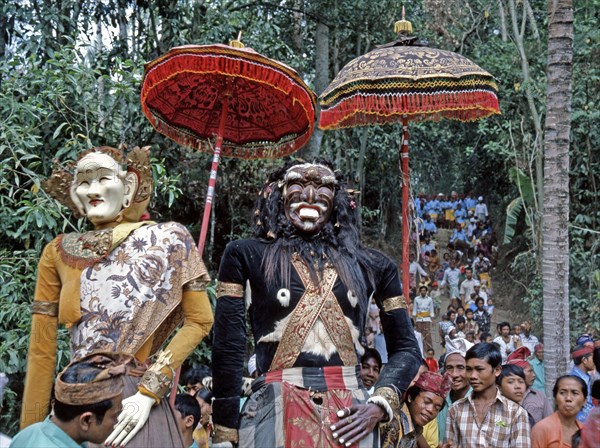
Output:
x,y
505,425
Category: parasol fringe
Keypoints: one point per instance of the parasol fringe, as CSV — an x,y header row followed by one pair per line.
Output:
x,y
256,150
363,109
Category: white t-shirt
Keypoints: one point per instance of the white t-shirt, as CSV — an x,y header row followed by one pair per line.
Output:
x,y
505,347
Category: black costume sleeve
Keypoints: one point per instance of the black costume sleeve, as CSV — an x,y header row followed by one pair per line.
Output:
x,y
229,341
404,355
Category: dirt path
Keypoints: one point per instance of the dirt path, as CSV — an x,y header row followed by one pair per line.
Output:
x,y
503,294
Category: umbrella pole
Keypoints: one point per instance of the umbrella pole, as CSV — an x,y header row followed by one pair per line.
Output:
x,y
212,180
405,221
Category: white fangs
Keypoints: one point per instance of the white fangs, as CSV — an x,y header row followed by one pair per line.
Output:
x,y
309,213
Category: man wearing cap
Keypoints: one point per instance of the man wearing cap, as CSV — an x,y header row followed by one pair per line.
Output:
x,y
88,395
582,358
456,367
423,312
537,364
535,402
423,401
481,211
471,228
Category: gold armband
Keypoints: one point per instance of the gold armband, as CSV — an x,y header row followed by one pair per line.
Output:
x,y
390,395
47,308
198,284
155,383
394,303
224,434
229,289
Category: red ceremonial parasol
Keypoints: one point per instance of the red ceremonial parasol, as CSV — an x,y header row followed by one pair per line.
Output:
x,y
403,81
227,100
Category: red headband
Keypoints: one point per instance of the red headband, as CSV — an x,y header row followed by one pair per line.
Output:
x,y
435,383
582,352
519,357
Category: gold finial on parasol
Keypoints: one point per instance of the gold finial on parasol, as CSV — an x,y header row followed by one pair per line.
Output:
x,y
403,26
237,43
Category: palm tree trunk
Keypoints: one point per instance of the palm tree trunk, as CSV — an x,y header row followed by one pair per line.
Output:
x,y
555,264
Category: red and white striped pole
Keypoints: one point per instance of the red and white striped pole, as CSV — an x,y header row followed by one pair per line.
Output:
x,y
212,180
405,218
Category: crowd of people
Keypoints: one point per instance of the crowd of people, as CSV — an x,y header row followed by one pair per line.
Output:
x,y
322,375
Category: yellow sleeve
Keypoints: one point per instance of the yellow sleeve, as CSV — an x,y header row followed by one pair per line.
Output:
x,y
197,323
198,320
430,433
41,356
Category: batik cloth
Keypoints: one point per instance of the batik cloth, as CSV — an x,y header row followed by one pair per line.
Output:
x,y
295,407
132,310
400,432
135,293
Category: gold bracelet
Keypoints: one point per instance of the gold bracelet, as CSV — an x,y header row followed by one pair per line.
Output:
x,y
224,434
154,380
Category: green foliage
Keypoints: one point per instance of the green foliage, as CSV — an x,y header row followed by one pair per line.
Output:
x,y
65,88
17,274
525,200
513,210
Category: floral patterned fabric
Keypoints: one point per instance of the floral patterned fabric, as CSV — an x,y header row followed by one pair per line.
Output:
x,y
135,291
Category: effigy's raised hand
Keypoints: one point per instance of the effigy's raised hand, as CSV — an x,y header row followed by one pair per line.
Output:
x,y
132,418
356,422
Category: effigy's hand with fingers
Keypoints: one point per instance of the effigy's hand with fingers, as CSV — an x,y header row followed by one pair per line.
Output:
x,y
356,422
132,418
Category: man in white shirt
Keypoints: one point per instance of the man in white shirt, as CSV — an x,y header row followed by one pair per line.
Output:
x,y
428,246
467,286
451,278
481,211
471,227
529,340
423,312
508,343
